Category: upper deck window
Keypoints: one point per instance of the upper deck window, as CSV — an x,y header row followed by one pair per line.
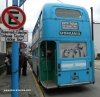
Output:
x,y
68,13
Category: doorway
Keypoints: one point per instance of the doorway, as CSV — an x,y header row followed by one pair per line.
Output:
x,y
48,61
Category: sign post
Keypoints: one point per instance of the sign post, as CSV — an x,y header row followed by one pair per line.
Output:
x,y
15,2
14,18
15,58
15,69
21,2
15,64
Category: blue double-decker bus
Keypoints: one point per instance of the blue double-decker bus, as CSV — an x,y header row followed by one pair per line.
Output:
x,y
63,46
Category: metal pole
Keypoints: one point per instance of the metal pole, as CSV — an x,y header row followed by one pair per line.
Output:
x,y
15,2
6,3
15,64
92,22
46,61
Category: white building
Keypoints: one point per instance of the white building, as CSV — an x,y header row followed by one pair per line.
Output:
x,y
2,43
97,37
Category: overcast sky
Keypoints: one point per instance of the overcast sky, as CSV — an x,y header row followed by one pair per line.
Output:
x,y
32,9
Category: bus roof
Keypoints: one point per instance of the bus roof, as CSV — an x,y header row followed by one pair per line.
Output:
x,y
47,7
50,5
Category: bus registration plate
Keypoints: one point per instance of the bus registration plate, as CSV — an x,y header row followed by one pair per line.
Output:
x,y
69,25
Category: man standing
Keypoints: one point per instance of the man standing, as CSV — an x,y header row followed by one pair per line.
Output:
x,y
23,64
8,63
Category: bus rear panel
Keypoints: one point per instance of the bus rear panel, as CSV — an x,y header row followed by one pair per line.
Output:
x,y
65,47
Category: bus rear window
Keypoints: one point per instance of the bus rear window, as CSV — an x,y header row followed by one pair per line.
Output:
x,y
68,13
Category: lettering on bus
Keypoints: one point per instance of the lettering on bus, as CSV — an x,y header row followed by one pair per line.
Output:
x,y
70,33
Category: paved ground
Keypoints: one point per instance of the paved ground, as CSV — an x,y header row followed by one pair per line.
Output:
x,y
28,86
97,64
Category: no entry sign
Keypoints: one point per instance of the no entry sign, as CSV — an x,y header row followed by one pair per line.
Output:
x,y
13,17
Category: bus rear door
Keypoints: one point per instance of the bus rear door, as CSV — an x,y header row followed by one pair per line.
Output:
x,y
48,64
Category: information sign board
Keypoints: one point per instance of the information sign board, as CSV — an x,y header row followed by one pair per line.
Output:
x,y
17,35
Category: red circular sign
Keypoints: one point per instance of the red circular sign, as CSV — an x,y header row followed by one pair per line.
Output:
x,y
13,17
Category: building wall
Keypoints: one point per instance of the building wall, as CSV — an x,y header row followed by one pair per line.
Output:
x,y
3,47
2,51
2,43
97,37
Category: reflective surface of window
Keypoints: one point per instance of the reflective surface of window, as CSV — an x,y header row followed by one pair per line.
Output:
x,y
68,13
